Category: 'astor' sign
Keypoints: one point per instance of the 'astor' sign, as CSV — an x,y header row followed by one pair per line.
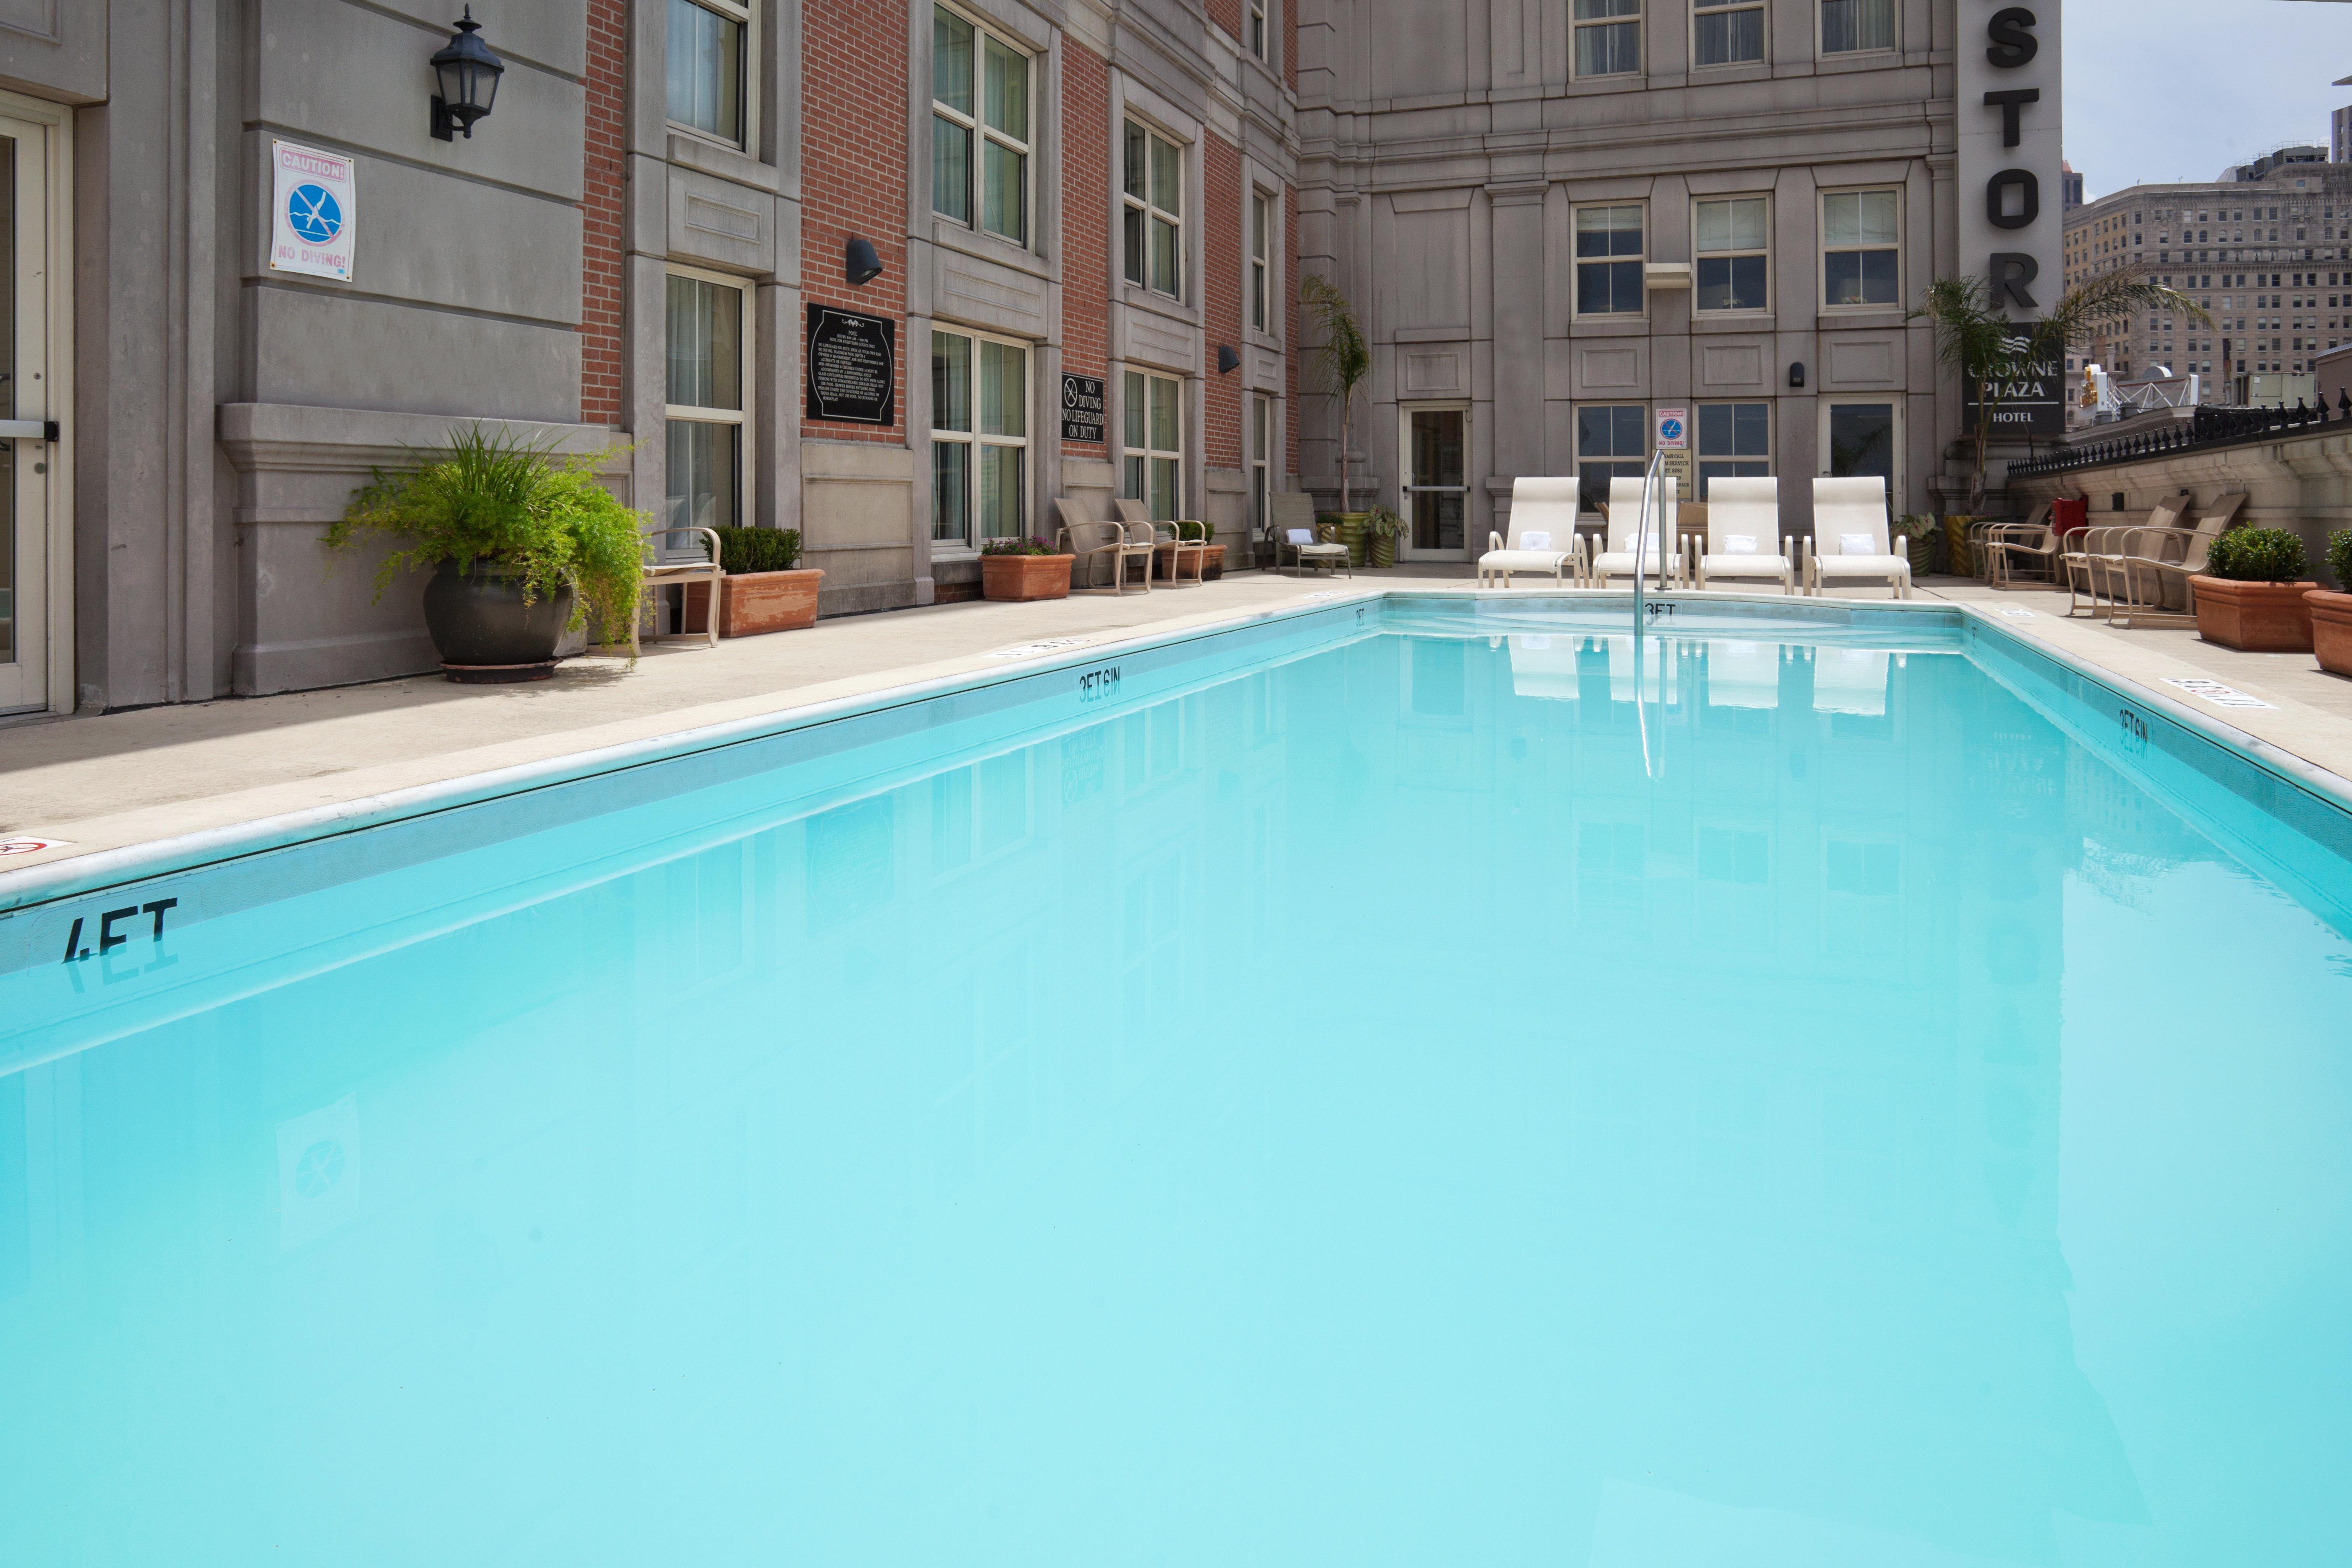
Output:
x,y
2012,200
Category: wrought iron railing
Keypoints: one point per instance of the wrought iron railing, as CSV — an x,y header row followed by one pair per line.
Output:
x,y
2206,429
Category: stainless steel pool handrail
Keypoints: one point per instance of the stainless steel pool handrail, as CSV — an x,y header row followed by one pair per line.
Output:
x,y
1640,531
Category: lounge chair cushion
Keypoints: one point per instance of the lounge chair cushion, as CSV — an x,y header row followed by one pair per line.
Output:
x,y
1756,565
1740,545
1858,544
1523,561
1535,539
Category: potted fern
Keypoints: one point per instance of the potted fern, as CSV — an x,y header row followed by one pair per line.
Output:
x,y
2331,612
1018,570
523,546
766,588
2249,596
1382,529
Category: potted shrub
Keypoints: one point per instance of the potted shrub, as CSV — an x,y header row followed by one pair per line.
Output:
x,y
1918,530
1348,528
766,588
1021,569
2248,598
523,546
1163,555
2331,612
1382,529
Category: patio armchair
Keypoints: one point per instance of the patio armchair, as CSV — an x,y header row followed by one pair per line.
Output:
x,y
2030,546
1542,535
660,571
1098,543
2095,565
2161,591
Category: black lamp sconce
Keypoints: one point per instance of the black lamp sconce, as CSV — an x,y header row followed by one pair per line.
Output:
x,y
1227,361
863,266
468,75
1796,372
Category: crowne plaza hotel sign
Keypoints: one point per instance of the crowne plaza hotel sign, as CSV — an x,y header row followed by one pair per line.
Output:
x,y
2012,207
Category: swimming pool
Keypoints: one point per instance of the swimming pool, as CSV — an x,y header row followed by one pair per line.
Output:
x,y
1390,1083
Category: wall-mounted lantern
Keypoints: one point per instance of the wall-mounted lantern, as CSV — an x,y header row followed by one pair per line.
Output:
x,y
1227,361
863,266
1796,372
469,77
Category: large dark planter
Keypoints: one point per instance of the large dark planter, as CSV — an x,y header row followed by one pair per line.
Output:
x,y
2331,630
2253,617
484,631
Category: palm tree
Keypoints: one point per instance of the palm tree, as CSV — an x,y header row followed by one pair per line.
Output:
x,y
1973,339
1341,361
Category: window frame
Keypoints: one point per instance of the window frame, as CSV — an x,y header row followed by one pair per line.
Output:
x,y
1822,250
747,334
1259,283
1257,31
1578,26
1701,462
1821,36
1763,11
1641,260
744,15
1646,428
975,438
1143,202
1259,457
1764,198
975,125
1135,416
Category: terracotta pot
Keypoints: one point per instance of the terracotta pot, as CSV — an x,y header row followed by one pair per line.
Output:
x,y
2331,630
2253,617
1017,578
756,601
1163,562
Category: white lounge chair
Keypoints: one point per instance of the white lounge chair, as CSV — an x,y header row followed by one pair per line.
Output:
x,y
1660,670
1660,559
1742,674
1542,535
1850,680
1544,665
1850,540
1743,534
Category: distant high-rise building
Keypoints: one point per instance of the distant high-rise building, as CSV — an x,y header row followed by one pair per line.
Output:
x,y
2073,184
2276,158
2268,253
2339,139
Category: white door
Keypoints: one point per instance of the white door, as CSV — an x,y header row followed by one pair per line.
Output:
x,y
1436,489
1865,436
26,455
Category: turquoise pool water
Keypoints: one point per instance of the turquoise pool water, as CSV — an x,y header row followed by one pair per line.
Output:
x,y
1367,1093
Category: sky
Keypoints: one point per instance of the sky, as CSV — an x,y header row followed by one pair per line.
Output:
x,y
2164,91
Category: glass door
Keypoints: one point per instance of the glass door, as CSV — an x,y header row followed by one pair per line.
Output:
x,y
1860,437
25,453
1436,493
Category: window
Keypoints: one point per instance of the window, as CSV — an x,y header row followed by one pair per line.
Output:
x,y
1257,28
1849,26
1260,222
1728,32
1860,260
1154,196
1154,457
1735,442
1612,442
980,437
704,433
1609,261
706,52
1730,252
998,126
1607,37
1261,442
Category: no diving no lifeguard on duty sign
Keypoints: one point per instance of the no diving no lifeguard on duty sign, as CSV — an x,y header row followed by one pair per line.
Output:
x,y
313,212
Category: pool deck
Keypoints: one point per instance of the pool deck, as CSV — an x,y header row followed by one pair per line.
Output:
x,y
110,781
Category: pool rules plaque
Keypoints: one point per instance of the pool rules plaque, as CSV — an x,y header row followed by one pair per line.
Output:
x,y
850,361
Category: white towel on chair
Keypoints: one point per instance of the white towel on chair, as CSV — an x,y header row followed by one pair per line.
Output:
x,y
1858,544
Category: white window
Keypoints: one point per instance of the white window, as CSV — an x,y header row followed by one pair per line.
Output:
x,y
1731,251
1612,442
980,437
709,47
1735,442
1609,261
1153,190
1861,257
1851,26
1257,28
708,401
1607,37
968,63
1261,443
1260,225
1727,32
1155,456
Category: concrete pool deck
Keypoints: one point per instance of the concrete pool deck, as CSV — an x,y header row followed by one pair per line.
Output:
x,y
110,781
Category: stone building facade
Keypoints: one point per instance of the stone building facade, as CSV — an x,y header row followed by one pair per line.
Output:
x,y
621,257
2270,256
